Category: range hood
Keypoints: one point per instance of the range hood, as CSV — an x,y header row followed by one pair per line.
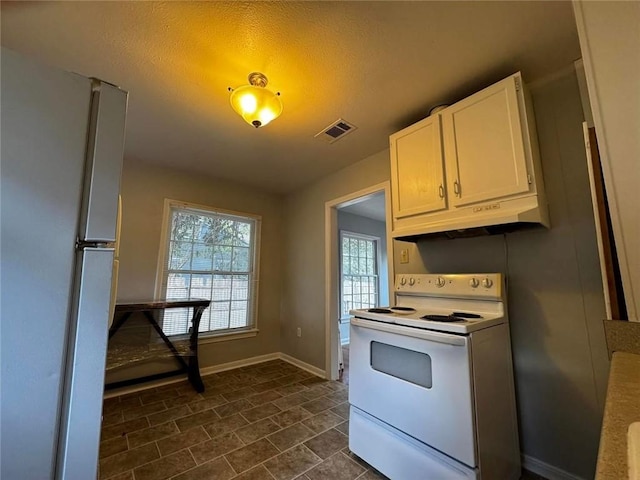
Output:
x,y
483,219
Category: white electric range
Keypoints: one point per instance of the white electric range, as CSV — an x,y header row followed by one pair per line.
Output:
x,y
431,381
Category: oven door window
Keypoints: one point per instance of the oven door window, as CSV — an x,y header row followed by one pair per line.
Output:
x,y
407,365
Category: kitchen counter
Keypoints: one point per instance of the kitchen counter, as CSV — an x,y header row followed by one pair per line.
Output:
x,y
622,336
621,409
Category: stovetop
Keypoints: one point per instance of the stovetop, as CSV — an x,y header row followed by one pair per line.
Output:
x,y
421,319
460,303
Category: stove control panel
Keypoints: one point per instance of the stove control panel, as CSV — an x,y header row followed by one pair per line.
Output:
x,y
479,285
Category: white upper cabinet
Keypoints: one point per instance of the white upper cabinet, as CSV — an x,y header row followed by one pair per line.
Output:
x,y
474,164
484,145
417,170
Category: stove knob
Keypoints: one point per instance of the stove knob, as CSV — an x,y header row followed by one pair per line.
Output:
x,y
487,282
403,281
440,282
473,283
411,281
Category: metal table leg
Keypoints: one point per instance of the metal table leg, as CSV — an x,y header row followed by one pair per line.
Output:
x,y
194,368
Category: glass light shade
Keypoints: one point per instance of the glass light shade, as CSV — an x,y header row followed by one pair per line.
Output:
x,y
257,105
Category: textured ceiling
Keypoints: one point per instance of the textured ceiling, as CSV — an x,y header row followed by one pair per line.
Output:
x,y
379,65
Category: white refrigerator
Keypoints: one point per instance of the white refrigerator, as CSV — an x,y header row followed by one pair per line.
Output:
x,y
62,138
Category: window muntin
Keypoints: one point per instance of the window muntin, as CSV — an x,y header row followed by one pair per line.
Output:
x,y
210,254
359,282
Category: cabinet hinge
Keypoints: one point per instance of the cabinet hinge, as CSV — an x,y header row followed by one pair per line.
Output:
x,y
529,179
518,85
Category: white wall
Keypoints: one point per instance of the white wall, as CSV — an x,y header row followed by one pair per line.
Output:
x,y
144,188
303,302
556,303
610,41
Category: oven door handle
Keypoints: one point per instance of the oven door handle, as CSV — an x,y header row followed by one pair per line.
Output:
x,y
410,332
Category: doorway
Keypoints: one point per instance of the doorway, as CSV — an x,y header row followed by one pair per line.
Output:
x,y
358,267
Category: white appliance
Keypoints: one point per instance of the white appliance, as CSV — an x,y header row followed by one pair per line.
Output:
x,y
433,398
62,148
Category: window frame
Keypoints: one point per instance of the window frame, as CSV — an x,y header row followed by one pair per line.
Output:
x,y
378,259
161,269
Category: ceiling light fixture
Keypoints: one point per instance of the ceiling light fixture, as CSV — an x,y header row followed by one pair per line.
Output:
x,y
256,104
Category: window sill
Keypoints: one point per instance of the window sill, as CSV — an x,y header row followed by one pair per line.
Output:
x,y
224,337
345,320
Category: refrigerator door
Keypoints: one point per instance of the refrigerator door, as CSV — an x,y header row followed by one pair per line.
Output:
x,y
45,115
104,164
81,415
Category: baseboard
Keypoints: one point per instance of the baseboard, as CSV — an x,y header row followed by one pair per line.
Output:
x,y
544,469
245,362
303,365
261,359
116,392
220,368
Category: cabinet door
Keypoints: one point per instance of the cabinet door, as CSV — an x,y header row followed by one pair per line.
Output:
x,y
417,170
484,147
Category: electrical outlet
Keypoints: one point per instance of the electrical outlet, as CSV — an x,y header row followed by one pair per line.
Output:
x,y
299,332
404,255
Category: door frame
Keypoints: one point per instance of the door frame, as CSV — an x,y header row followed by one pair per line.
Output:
x,y
331,277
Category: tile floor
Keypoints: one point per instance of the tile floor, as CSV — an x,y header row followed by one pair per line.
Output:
x,y
271,421
267,421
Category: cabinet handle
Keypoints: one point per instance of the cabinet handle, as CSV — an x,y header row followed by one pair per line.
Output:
x,y
456,188
441,191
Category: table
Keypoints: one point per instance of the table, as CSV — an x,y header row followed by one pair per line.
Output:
x,y
123,312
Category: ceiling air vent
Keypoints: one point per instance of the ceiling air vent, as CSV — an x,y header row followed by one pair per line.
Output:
x,y
336,131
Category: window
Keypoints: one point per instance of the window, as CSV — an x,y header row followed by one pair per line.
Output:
x,y
359,272
210,254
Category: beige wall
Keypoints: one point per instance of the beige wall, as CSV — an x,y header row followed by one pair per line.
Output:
x,y
610,41
556,304
303,258
144,188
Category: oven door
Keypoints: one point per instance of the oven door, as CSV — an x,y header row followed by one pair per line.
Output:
x,y
418,381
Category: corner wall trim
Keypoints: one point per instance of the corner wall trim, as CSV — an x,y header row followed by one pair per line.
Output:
x,y
331,269
303,365
548,471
